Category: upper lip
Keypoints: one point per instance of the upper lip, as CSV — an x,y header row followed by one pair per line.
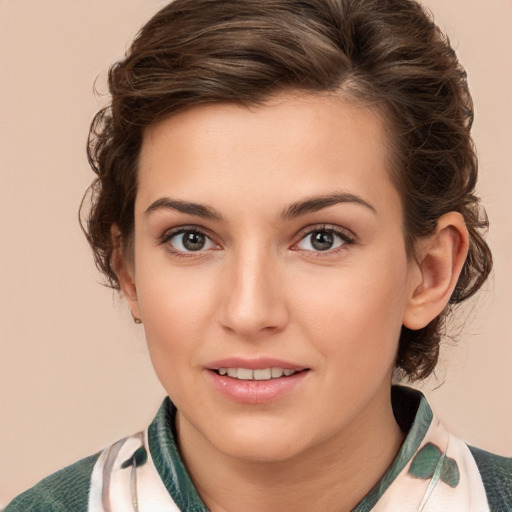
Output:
x,y
259,363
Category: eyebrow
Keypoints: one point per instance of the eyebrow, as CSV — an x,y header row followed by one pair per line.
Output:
x,y
200,210
309,205
315,204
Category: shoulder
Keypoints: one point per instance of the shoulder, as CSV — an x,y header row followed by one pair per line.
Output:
x,y
496,474
65,490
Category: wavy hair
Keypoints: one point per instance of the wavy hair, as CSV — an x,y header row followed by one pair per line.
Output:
x,y
387,54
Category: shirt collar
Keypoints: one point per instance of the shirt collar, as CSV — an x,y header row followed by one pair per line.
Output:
x,y
413,415
410,407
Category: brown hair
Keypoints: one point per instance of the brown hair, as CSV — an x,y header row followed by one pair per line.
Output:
x,y
388,54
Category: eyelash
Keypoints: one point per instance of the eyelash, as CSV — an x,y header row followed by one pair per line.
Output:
x,y
346,237
169,235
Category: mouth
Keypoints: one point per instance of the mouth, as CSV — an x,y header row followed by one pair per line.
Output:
x,y
256,381
257,374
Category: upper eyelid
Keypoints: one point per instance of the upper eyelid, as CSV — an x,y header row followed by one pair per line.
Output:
x,y
168,233
326,227
301,234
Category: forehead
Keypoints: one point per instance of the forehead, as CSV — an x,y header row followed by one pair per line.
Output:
x,y
293,145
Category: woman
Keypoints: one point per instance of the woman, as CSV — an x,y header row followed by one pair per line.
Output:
x,y
285,196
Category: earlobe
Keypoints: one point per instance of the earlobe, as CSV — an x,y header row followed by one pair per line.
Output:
x,y
125,274
440,261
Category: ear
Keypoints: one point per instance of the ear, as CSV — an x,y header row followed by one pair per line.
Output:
x,y
440,260
124,268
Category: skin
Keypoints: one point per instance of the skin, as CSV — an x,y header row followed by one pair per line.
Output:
x,y
259,287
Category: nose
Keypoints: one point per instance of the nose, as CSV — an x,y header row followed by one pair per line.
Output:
x,y
254,301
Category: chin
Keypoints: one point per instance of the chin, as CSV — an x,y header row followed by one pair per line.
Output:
x,y
274,451
259,442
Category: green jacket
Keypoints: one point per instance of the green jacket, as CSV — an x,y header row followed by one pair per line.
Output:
x,y
433,471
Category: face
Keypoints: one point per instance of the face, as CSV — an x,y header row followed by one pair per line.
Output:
x,y
270,271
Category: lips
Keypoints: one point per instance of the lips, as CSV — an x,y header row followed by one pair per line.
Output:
x,y
255,381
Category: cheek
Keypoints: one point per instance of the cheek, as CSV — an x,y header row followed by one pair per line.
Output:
x,y
166,291
177,307
355,309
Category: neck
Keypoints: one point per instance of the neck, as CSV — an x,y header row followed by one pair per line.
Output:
x,y
333,476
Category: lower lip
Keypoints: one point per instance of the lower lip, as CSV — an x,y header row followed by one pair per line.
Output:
x,y
255,391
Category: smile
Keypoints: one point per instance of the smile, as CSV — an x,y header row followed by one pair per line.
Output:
x,y
254,381
259,374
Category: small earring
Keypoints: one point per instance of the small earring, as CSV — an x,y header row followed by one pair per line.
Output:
x,y
136,320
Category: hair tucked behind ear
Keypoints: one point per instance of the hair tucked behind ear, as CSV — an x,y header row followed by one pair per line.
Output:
x,y
386,54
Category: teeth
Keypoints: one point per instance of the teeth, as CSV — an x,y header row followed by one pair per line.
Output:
x,y
276,373
244,374
265,374
262,374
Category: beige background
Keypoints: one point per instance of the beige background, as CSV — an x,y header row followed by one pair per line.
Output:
x,y
74,373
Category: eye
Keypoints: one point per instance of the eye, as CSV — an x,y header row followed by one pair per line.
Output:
x,y
324,239
188,240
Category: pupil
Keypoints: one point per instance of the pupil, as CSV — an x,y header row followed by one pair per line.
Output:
x,y
193,241
322,240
